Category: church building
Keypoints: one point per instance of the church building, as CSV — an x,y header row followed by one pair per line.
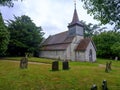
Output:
x,y
69,45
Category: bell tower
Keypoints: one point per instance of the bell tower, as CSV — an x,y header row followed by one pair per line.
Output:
x,y
75,27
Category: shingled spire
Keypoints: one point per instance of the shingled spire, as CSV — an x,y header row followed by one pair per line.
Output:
x,y
75,27
75,17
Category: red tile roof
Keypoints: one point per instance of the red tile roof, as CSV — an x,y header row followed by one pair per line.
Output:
x,y
83,44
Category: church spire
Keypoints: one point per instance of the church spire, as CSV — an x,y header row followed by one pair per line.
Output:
x,y
75,18
75,27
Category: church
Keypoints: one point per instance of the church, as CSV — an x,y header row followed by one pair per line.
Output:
x,y
69,45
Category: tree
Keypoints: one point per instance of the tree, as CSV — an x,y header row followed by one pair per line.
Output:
x,y
107,44
116,49
4,37
25,36
8,3
92,29
106,11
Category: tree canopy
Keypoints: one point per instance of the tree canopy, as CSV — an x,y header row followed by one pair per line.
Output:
x,y
92,29
106,11
8,3
108,44
25,36
4,37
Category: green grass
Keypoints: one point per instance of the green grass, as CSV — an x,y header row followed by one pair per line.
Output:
x,y
81,76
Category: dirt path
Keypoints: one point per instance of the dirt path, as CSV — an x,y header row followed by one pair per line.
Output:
x,y
101,65
29,62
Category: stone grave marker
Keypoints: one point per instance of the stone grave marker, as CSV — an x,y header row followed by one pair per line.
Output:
x,y
94,87
65,65
24,63
104,85
55,66
107,69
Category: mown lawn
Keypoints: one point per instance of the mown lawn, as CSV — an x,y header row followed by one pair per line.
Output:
x,y
81,76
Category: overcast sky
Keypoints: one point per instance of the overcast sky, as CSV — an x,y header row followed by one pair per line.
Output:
x,y
52,15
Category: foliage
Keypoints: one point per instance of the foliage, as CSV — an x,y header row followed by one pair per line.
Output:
x,y
25,36
92,29
116,48
81,76
8,3
4,37
106,11
107,44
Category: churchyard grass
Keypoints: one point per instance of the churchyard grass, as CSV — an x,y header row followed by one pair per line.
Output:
x,y
80,76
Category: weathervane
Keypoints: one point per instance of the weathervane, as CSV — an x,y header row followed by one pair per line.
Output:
x,y
75,3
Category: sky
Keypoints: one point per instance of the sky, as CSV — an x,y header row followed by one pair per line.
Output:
x,y
52,15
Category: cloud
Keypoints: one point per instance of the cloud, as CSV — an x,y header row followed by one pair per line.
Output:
x,y
52,15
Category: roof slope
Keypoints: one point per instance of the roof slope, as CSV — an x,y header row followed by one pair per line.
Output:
x,y
58,41
83,44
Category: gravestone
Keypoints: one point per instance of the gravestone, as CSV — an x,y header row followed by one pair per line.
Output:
x,y
116,58
24,63
109,65
55,66
94,87
104,85
65,65
107,69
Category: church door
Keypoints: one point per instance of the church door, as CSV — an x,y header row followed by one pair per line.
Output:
x,y
90,55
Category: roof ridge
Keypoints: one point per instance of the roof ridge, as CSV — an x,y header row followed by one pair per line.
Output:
x,y
59,33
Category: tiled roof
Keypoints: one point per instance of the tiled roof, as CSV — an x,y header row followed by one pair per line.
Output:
x,y
57,42
55,47
83,44
58,39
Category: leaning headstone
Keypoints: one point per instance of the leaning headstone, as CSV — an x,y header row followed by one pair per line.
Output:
x,y
109,65
94,87
104,85
65,65
24,63
106,69
55,66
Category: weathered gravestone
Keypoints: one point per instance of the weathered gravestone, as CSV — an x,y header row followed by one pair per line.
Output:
x,y
94,87
24,63
108,66
116,58
104,85
106,69
65,65
55,66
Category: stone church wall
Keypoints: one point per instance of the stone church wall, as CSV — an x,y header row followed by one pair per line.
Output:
x,y
80,56
84,56
90,47
53,54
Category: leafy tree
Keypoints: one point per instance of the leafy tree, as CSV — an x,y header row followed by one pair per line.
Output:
x,y
8,3
92,29
4,37
107,44
25,36
106,11
116,49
